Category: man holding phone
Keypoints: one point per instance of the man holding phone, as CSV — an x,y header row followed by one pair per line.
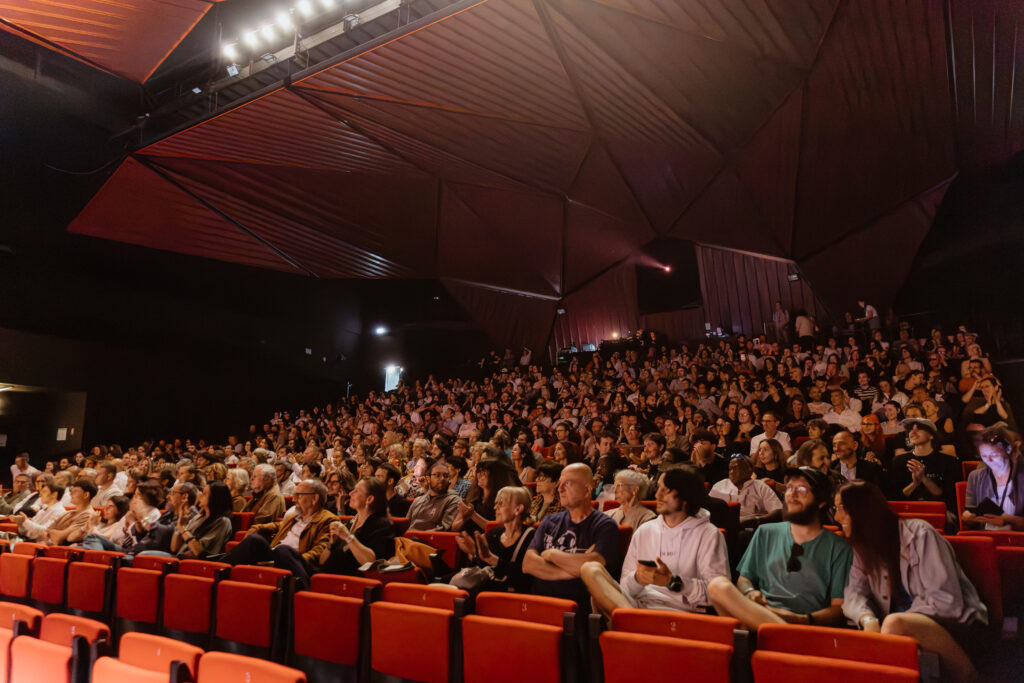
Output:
x,y
670,559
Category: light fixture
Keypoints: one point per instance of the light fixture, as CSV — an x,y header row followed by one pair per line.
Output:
x,y
230,52
284,21
232,70
305,7
269,58
197,90
351,19
615,335
380,331
667,269
251,38
267,31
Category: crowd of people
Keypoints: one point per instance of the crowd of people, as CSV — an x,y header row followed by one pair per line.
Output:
x,y
536,468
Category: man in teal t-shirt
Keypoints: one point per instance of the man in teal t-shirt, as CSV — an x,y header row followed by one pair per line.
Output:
x,y
793,571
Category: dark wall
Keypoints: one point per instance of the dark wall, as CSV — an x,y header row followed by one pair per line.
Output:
x,y
30,420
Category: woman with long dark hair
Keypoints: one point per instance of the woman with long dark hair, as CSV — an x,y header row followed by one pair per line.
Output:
x,y
492,475
905,580
367,537
207,533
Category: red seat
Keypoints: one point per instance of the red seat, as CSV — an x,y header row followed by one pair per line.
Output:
x,y
6,636
936,520
49,579
221,667
211,570
977,557
156,653
155,562
519,607
625,536
783,667
13,612
241,521
38,661
106,557
650,504
343,586
138,593
969,466
506,651
444,541
1011,568
63,552
961,502
89,588
247,618
439,596
26,548
15,575
61,629
401,525
657,622
1000,538
110,670
187,607
265,576
328,627
820,641
931,507
631,657
411,642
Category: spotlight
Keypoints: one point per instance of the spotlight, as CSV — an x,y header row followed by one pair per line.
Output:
x,y
667,269
197,90
305,7
615,335
328,4
284,21
268,31
380,331
232,70
251,38
230,52
7,387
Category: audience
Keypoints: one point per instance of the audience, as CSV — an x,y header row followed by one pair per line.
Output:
x,y
630,489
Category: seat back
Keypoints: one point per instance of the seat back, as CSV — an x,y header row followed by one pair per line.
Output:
x,y
969,466
401,525
265,576
247,614
1000,538
520,607
61,629
977,557
937,520
49,580
343,586
241,521
15,575
88,586
33,660
931,507
441,540
156,653
506,651
820,641
188,603
6,636
107,557
110,670
13,612
439,596
411,642
31,549
221,667
327,627
631,657
63,552
775,667
155,562
211,570
138,595
667,624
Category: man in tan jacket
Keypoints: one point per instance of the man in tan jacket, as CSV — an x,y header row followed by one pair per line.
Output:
x,y
295,542
267,501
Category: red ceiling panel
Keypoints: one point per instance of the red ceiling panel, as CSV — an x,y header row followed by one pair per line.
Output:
x,y
510,320
127,37
595,240
138,206
281,129
493,59
601,185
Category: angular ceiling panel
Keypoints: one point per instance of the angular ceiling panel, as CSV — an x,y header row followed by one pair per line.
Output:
x,y
136,205
129,37
530,325
600,184
595,240
491,59
281,129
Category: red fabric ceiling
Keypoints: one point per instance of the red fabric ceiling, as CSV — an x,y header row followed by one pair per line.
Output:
x,y
129,37
531,147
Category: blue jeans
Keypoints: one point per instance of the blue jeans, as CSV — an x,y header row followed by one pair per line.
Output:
x,y
97,542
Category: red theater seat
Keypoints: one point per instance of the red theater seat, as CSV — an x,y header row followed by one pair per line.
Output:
x,y
15,575
156,653
247,618
61,629
819,641
631,657
187,608
977,557
110,670
343,586
532,608
39,661
783,667
676,625
506,651
221,667
49,580
12,612
328,627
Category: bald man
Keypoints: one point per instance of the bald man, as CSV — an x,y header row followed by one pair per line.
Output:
x,y
567,540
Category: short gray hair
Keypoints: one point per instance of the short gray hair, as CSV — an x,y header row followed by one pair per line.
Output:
x,y
633,478
318,488
265,471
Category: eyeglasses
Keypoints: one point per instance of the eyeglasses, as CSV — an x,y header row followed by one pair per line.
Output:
x,y
798,490
795,553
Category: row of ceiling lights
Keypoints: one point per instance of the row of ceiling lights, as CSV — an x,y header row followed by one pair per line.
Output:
x,y
284,24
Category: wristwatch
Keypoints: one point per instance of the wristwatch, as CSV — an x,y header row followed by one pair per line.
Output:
x,y
675,584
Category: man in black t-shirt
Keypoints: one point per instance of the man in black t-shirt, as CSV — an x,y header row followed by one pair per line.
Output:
x,y
925,473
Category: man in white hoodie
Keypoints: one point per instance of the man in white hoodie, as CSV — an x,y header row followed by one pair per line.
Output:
x,y
670,559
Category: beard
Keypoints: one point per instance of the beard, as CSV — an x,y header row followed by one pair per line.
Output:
x,y
801,517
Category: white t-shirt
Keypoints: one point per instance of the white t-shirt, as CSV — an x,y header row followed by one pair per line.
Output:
x,y
780,436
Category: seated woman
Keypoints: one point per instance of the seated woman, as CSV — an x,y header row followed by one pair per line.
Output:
x,y
872,441
546,501
206,533
238,483
998,486
630,488
492,474
367,537
503,547
106,522
905,580
769,465
524,461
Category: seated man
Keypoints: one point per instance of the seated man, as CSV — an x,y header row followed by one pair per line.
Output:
x,y
924,473
713,467
267,502
436,509
682,544
848,465
389,475
567,540
71,527
296,541
793,571
758,502
18,496
50,510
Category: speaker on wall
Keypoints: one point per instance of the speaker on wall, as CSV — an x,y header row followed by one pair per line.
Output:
x,y
667,278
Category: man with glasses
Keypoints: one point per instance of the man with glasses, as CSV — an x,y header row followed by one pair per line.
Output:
x,y
436,509
770,421
793,571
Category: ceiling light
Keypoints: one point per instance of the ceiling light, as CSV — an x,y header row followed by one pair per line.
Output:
x,y
380,331
232,70
268,31
667,269
328,4
230,52
305,7
284,21
197,90
251,38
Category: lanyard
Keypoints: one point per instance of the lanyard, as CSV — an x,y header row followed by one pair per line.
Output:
x,y
1006,489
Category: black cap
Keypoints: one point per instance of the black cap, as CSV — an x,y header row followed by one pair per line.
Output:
x,y
820,484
